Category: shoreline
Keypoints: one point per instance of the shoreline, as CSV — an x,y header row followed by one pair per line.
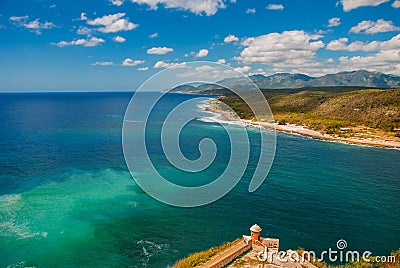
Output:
x,y
304,131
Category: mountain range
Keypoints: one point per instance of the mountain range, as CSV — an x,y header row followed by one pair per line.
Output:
x,y
359,78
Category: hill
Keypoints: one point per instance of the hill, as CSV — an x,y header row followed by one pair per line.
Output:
x,y
367,113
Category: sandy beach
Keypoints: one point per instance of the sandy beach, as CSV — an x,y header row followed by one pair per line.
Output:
x,y
305,131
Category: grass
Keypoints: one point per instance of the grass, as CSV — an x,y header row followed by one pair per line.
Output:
x,y
198,258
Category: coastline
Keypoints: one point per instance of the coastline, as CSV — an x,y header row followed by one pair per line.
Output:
x,y
304,131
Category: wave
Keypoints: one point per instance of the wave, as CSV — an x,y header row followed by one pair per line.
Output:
x,y
215,117
12,225
149,249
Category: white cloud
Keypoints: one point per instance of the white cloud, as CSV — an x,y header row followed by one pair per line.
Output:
x,y
102,63
208,7
154,35
119,39
230,38
35,25
282,51
333,22
143,68
341,44
202,53
385,61
372,27
92,42
275,7
113,23
159,50
163,64
83,16
82,30
353,4
221,61
128,62
206,68
18,18
259,71
396,4
244,69
212,71
117,2
250,11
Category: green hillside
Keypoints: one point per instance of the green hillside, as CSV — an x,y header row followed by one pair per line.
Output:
x,y
330,110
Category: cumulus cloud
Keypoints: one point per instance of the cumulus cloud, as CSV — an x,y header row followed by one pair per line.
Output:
x,y
163,64
373,27
221,61
385,57
119,39
202,53
396,4
244,69
159,50
198,7
143,68
353,4
117,2
384,61
128,62
259,71
275,7
250,11
83,16
113,23
333,22
342,44
34,25
82,30
102,63
92,42
282,51
154,35
230,38
18,18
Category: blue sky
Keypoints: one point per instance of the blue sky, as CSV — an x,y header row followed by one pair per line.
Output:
x,y
114,45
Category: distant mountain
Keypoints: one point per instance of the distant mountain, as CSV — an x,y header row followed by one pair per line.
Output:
x,y
359,78
356,78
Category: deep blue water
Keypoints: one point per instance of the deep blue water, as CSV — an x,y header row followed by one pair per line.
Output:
x,y
67,198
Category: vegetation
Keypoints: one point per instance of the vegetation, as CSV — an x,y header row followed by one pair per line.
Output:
x,y
331,110
201,257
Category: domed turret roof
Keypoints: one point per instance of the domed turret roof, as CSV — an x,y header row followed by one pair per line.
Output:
x,y
255,228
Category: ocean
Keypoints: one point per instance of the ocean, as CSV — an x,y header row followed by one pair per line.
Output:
x,y
67,198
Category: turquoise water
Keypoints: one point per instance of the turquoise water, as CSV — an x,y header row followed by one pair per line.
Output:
x,y
67,198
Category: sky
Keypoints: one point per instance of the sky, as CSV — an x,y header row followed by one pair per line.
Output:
x,y
115,45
